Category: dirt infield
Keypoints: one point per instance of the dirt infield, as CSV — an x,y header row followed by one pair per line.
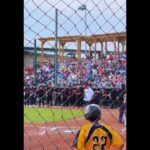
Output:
x,y
59,136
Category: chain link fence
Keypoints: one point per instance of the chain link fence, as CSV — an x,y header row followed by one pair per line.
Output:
x,y
91,47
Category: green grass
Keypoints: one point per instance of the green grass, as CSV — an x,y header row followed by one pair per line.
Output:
x,y
41,115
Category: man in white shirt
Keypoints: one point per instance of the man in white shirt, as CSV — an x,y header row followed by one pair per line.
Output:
x,y
88,94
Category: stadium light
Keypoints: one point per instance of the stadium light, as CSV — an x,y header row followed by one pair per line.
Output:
x,y
82,8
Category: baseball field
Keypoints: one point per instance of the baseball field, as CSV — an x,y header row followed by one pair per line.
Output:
x,y
41,115
55,128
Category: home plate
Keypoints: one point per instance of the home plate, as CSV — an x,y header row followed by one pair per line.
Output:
x,y
68,131
52,129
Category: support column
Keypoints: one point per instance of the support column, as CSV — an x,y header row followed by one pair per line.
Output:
x,y
59,52
102,51
115,48
90,45
95,52
118,50
62,52
79,50
123,45
42,51
90,50
105,48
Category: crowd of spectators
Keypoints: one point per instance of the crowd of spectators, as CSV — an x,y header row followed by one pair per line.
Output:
x,y
105,73
107,77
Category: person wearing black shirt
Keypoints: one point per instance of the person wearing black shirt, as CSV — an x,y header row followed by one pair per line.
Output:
x,y
114,95
70,96
33,97
26,96
97,97
58,97
79,96
41,97
49,96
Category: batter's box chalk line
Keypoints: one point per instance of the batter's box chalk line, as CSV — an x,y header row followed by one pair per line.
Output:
x,y
59,129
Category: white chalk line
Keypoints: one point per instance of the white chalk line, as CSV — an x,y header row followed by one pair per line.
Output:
x,y
58,129
52,130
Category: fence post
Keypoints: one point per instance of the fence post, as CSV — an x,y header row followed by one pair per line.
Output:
x,y
56,50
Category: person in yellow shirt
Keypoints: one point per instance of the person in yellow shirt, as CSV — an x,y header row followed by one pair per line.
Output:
x,y
95,135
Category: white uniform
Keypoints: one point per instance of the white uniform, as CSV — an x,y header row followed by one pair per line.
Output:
x,y
88,94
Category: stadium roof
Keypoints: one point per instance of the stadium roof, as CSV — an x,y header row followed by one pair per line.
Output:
x,y
119,36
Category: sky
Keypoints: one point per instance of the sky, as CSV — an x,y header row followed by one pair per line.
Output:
x,y
103,16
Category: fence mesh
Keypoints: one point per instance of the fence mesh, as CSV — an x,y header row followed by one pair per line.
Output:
x,y
91,45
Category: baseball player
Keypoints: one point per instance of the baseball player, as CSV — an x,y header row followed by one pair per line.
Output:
x,y
88,94
95,135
